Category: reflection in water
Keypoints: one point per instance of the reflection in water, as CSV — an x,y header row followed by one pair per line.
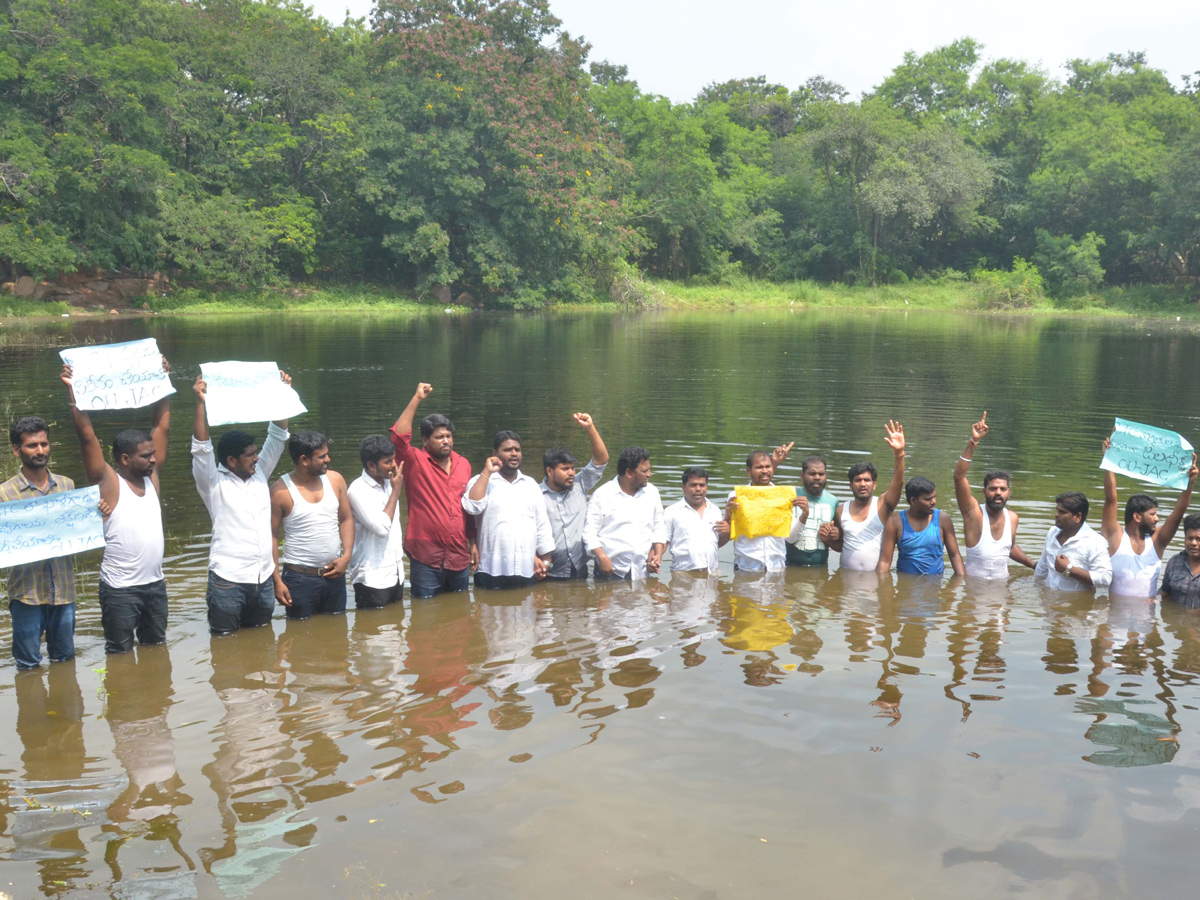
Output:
x,y
466,746
139,693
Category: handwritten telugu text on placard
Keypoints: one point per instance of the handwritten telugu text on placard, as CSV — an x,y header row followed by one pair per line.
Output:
x,y
1149,454
50,526
118,376
239,392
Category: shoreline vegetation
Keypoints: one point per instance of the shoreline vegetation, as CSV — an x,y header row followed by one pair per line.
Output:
x,y
974,295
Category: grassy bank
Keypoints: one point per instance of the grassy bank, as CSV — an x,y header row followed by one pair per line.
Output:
x,y
953,296
957,296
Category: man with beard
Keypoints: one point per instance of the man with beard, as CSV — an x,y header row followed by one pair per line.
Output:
x,y
312,509
811,547
233,483
41,595
1137,549
565,492
516,541
765,554
991,540
133,592
921,534
1181,579
624,529
1075,557
860,520
439,549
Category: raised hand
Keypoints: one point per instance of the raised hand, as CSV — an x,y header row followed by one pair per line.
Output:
x,y
801,503
895,436
1193,472
285,377
492,465
397,479
200,387
166,366
779,454
980,429
67,376
1108,443
584,420
423,391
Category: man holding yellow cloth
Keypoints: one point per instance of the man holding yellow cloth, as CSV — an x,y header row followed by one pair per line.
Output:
x,y
763,517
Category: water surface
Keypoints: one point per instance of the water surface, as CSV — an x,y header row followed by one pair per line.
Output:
x,y
686,738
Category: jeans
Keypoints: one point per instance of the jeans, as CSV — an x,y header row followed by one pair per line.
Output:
x,y
377,598
29,623
140,610
314,594
501,582
428,581
233,605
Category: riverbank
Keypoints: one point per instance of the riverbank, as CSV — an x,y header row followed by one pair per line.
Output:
x,y
1150,301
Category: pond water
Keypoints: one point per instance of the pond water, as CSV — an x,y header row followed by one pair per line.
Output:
x,y
679,739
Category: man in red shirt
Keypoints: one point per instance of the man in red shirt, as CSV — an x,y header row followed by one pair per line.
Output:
x,y
438,539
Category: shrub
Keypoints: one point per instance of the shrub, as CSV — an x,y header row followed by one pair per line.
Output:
x,y
1020,288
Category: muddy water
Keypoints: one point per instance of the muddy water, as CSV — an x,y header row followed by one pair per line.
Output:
x,y
687,738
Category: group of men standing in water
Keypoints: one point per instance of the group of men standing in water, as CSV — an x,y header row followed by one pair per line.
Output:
x,y
511,531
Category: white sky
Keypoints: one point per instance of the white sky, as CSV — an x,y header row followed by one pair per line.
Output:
x,y
675,48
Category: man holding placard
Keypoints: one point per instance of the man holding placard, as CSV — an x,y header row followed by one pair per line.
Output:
x,y
310,510
233,483
1137,549
133,592
41,595
757,546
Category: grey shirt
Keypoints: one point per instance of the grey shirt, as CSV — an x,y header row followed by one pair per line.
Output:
x,y
1179,585
567,511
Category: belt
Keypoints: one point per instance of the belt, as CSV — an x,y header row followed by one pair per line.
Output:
x,y
303,570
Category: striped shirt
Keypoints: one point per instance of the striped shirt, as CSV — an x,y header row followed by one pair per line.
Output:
x,y
48,582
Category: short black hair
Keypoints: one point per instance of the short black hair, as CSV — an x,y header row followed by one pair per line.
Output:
x,y
432,423
812,461
1138,503
1073,502
127,442
996,475
859,467
918,486
306,443
26,425
755,454
1191,522
502,436
631,458
233,443
557,456
694,472
375,447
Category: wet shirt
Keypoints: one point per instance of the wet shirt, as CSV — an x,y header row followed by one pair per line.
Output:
x,y
1085,549
437,523
691,536
1179,585
625,526
810,550
513,525
567,511
47,582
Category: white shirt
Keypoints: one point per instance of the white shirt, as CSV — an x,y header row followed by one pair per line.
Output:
x,y
513,525
1085,549
377,559
767,554
691,536
240,510
624,526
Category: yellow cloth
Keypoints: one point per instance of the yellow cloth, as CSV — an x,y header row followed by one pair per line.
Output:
x,y
762,512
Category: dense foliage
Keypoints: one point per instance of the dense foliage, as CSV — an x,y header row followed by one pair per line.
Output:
x,y
469,144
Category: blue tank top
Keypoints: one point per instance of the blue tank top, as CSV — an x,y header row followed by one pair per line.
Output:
x,y
920,552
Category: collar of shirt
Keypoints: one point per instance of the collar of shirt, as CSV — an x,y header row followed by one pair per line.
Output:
x,y
51,484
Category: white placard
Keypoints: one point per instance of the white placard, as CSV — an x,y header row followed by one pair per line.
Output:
x,y
59,524
117,376
238,392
